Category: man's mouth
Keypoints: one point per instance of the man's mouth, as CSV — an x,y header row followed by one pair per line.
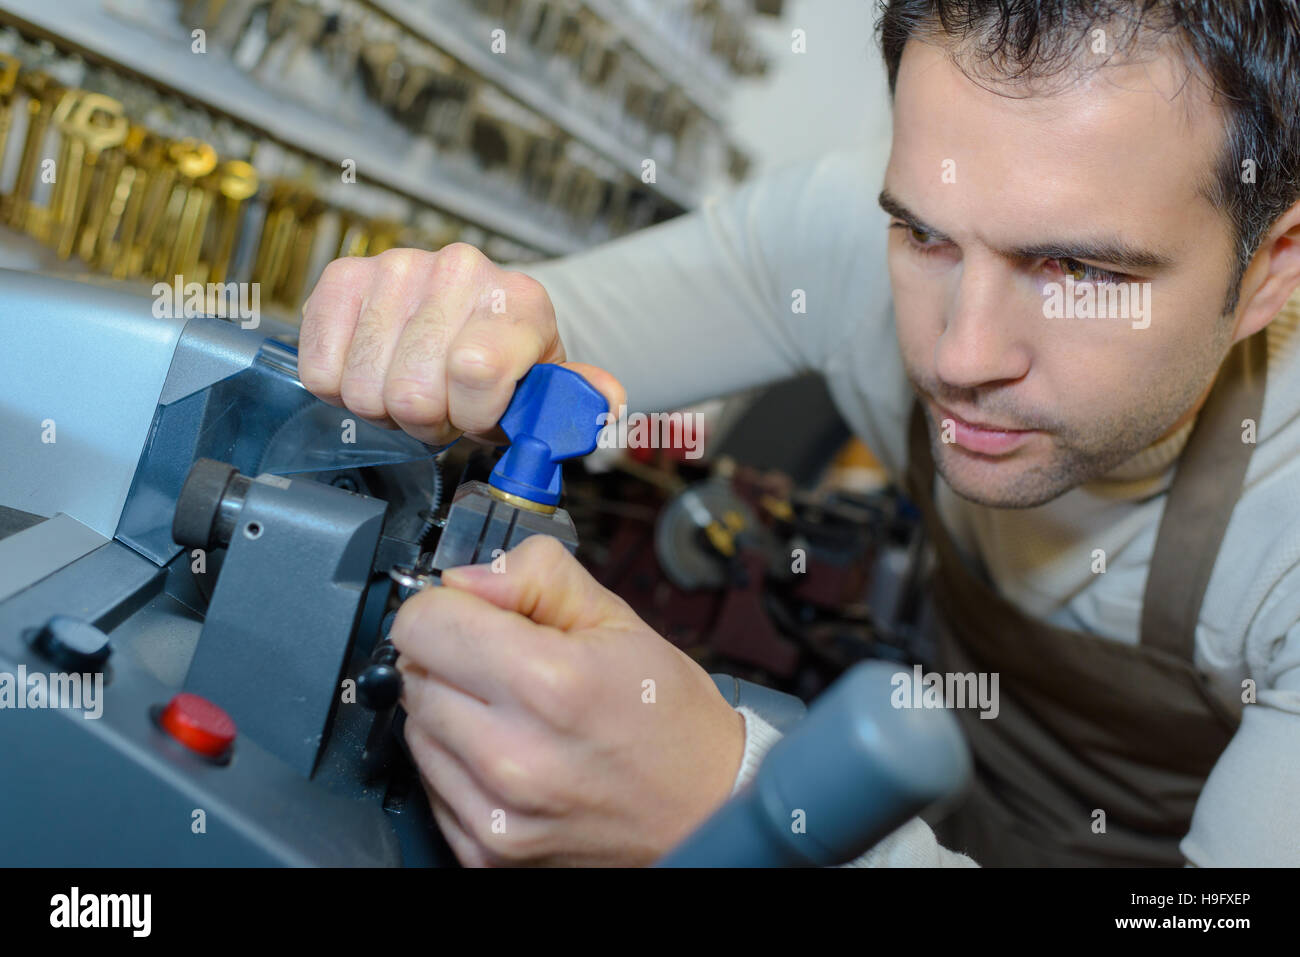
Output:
x,y
980,437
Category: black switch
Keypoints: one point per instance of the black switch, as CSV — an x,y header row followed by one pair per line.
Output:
x,y
71,643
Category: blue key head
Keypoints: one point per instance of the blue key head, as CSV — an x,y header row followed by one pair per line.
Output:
x,y
555,415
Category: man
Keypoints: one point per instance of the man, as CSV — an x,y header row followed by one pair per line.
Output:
x,y
1092,230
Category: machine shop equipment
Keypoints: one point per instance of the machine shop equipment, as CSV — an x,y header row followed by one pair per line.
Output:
x,y
214,550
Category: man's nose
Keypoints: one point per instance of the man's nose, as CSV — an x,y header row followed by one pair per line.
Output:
x,y
986,330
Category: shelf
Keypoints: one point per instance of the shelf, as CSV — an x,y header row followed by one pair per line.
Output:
x,y
212,80
531,92
656,49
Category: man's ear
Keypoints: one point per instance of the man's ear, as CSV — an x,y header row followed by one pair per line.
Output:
x,y
1272,277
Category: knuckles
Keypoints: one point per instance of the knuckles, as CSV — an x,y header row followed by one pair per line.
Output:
x,y
531,293
556,691
397,265
362,397
479,364
318,379
346,271
410,404
456,263
520,781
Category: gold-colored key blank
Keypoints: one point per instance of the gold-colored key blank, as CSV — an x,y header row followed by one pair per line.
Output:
x,y
188,160
91,124
273,244
292,218
146,190
9,67
362,236
43,94
104,198
193,164
308,212
235,182
104,247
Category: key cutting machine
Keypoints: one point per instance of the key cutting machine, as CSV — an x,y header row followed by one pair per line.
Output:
x,y
186,528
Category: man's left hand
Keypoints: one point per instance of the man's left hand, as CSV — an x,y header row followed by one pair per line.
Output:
x,y
550,724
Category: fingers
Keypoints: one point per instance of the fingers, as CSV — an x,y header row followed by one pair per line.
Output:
x,y
542,581
415,387
328,318
510,664
396,284
462,845
488,793
487,359
464,805
465,641
602,382
460,722
433,343
511,330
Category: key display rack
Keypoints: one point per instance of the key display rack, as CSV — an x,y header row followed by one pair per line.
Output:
x,y
255,140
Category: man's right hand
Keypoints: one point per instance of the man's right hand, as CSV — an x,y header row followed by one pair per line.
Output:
x,y
432,343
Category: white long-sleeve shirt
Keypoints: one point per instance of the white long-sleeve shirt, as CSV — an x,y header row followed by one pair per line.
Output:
x,y
702,306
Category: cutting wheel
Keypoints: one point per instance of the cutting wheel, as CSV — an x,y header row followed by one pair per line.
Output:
x,y
685,552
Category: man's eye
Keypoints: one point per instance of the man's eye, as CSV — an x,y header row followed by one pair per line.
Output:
x,y
1082,272
916,236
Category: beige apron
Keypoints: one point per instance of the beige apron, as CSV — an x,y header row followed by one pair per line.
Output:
x,y
1086,723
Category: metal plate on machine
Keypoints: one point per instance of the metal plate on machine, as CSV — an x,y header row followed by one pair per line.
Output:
x,y
80,374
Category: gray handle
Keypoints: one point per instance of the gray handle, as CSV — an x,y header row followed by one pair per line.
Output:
x,y
850,773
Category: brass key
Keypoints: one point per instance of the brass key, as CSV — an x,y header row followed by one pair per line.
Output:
x,y
189,161
43,95
308,211
143,212
105,248
285,251
193,224
235,181
276,239
9,67
91,124
148,235
42,221
108,183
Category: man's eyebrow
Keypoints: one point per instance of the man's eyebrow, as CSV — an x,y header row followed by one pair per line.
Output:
x,y
890,204
1111,252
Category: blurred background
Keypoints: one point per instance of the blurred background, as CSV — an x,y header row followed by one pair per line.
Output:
x,y
256,140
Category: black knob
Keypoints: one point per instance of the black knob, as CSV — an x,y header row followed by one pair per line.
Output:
x,y
72,644
208,504
379,686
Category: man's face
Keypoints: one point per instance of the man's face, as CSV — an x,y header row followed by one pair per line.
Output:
x,y
993,198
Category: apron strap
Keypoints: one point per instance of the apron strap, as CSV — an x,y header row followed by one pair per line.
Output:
x,y
1207,483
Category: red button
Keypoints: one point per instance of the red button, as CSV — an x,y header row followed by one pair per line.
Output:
x,y
198,724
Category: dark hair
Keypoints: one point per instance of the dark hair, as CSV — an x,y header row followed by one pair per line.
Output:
x,y
1248,51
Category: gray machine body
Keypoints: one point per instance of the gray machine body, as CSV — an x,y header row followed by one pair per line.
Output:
x,y
104,406
290,665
